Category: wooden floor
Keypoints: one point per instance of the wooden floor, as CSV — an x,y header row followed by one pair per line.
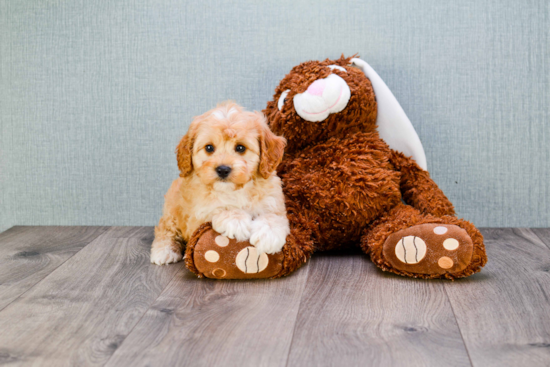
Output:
x,y
72,296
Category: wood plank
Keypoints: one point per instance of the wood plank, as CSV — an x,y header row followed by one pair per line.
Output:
x,y
28,254
543,234
82,311
204,322
504,311
352,314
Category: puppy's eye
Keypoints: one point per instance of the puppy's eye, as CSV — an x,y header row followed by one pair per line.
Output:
x,y
282,99
209,148
240,148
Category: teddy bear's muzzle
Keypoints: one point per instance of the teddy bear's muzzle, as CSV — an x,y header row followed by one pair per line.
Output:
x,y
323,97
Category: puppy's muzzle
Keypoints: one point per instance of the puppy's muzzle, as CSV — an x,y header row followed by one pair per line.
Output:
x,y
223,171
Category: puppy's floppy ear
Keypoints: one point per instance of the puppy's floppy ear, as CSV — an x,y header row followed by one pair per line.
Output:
x,y
184,152
272,148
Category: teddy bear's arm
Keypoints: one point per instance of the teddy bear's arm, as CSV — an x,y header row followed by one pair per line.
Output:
x,y
418,189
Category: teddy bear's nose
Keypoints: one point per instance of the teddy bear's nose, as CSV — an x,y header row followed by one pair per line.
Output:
x,y
317,87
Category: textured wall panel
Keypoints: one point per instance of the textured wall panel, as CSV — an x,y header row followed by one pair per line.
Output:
x,y
96,94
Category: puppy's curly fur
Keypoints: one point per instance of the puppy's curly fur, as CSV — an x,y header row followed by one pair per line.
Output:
x,y
246,202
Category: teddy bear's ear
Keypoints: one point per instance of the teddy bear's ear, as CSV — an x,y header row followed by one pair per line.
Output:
x,y
393,124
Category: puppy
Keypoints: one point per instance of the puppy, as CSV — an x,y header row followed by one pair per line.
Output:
x,y
227,165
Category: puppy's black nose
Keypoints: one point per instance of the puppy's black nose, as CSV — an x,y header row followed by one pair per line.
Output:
x,y
223,171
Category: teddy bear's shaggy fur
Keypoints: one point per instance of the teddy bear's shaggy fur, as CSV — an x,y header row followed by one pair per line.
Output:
x,y
345,187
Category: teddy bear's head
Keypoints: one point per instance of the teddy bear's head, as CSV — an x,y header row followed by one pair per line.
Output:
x,y
318,100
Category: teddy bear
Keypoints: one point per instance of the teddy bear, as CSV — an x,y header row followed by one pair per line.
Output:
x,y
354,174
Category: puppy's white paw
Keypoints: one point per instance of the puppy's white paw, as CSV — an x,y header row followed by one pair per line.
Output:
x,y
162,254
266,239
233,224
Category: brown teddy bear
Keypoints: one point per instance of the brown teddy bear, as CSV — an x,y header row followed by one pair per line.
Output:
x,y
345,186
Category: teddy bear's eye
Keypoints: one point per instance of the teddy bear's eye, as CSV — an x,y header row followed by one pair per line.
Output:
x,y
332,67
282,99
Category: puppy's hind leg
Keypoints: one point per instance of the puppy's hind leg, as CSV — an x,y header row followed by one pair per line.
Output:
x,y
167,246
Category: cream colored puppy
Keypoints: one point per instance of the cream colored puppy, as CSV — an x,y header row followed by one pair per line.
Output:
x,y
227,162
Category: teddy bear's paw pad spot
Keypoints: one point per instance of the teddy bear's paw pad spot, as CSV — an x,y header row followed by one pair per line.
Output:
x,y
222,241
431,248
219,273
410,250
440,230
218,257
451,244
445,262
248,260
211,256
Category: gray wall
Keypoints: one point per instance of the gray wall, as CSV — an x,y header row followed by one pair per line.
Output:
x,y
95,94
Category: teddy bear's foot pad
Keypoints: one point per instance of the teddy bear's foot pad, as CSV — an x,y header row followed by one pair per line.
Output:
x,y
429,249
219,257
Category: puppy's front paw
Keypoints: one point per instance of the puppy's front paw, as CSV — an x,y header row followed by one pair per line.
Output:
x,y
165,252
233,224
266,239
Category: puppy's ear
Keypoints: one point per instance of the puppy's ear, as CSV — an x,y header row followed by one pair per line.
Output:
x,y
272,148
184,152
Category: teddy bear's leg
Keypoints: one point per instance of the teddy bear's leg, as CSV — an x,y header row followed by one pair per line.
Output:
x,y
410,243
208,254
418,189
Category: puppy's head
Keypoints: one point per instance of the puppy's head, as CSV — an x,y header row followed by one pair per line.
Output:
x,y
227,147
